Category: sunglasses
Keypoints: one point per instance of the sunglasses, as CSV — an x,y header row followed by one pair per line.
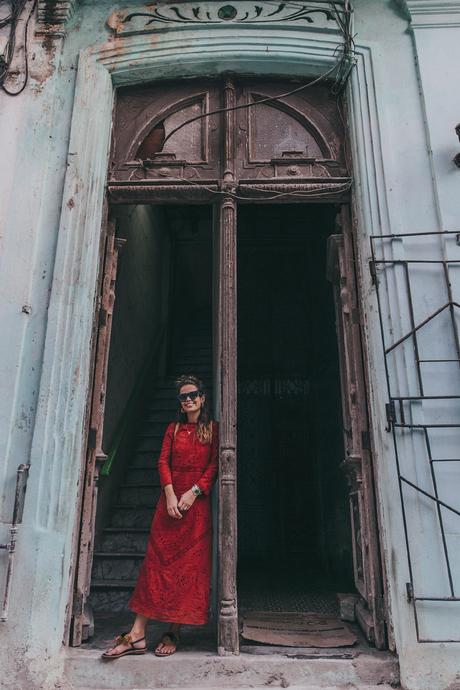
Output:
x,y
193,395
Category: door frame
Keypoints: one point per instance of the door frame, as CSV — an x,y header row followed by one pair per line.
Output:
x,y
227,578
358,462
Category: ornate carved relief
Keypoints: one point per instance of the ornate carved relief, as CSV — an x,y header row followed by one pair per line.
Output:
x,y
164,133
149,18
291,136
153,140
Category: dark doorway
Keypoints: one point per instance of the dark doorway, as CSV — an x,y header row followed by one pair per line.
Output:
x,y
294,536
161,328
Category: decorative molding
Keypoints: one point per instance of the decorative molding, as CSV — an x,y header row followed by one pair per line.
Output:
x,y
53,15
430,14
150,18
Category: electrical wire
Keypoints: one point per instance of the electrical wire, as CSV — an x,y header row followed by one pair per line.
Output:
x,y
6,59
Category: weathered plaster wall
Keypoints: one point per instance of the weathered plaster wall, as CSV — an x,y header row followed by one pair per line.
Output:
x,y
418,144
403,143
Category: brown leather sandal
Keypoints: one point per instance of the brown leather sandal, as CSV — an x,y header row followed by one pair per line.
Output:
x,y
169,638
124,638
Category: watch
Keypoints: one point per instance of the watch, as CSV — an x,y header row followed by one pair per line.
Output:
x,y
196,490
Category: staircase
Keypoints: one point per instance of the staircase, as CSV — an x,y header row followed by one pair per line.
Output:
x,y
123,543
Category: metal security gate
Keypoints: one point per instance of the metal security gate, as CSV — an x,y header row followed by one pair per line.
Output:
x,y
417,277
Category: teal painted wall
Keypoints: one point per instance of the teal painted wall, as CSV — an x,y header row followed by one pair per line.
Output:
x,y
403,107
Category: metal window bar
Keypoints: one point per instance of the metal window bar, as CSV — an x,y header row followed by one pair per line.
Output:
x,y
396,417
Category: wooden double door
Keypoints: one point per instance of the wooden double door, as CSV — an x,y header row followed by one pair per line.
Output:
x,y
230,143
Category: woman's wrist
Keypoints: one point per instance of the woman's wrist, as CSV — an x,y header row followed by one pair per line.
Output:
x,y
169,490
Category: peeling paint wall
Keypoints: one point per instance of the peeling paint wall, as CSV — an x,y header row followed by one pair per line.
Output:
x,y
413,107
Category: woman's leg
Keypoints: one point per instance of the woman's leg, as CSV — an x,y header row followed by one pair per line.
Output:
x,y
137,632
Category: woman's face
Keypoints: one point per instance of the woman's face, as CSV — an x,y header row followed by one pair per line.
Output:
x,y
190,404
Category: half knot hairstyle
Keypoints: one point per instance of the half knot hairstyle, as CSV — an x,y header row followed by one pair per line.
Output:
x,y
204,425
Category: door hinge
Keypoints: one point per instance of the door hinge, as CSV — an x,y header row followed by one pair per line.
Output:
x,y
78,603
365,440
92,438
373,272
391,415
409,592
102,316
380,607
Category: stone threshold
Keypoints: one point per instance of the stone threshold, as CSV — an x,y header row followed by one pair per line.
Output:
x,y
85,670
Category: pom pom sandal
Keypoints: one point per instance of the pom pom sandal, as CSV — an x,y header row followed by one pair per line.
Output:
x,y
125,639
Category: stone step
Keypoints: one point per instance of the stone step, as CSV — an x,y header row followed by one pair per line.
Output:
x,y
189,668
151,444
120,585
192,340
291,687
124,539
204,370
128,516
139,495
202,355
153,429
148,474
164,416
116,566
110,595
144,459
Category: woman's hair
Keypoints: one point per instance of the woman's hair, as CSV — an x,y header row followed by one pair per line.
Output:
x,y
204,426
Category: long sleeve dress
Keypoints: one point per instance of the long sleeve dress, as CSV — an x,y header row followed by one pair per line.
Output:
x,y
174,579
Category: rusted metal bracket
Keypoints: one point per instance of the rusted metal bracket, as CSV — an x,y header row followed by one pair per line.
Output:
x,y
373,272
409,592
18,508
390,411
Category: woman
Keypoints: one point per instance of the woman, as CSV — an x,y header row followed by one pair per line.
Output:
x,y
174,579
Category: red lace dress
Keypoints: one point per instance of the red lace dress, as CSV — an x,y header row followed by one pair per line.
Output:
x,y
174,579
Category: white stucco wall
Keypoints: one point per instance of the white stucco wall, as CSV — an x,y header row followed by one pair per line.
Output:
x,y
403,106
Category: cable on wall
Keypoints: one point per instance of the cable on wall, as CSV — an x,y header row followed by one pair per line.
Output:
x,y
11,21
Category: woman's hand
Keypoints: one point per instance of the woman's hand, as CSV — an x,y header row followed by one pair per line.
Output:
x,y
187,500
171,503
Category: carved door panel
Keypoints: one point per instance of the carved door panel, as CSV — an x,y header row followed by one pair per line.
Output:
x,y
293,138
171,142
152,144
81,622
357,463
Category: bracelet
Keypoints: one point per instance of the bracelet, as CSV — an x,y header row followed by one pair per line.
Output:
x,y
196,490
